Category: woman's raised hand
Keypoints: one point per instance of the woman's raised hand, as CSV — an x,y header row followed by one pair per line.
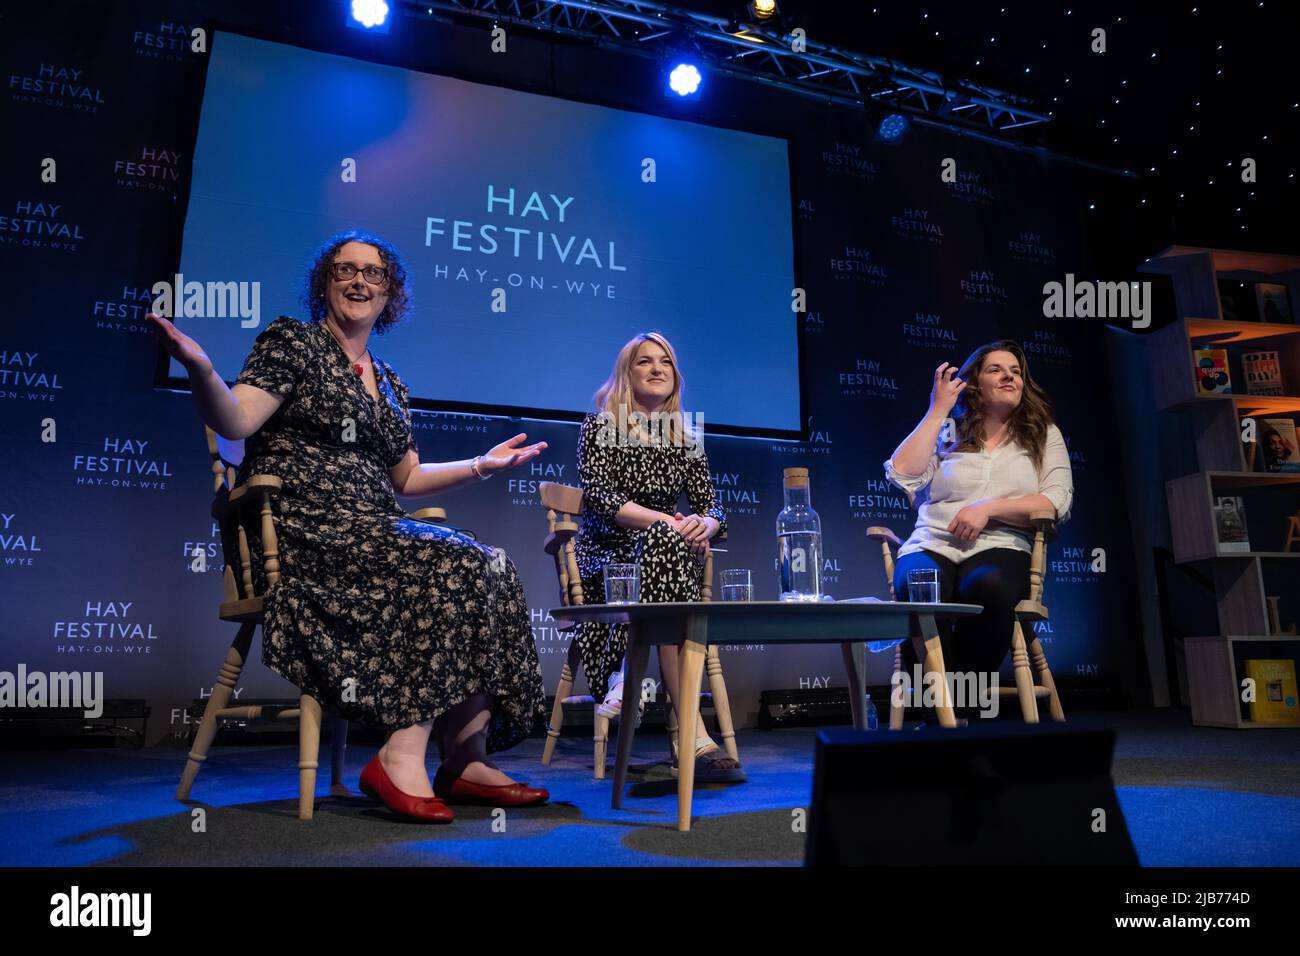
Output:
x,y
508,454
943,395
180,346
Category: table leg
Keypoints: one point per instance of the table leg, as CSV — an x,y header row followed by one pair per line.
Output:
x,y
690,669
934,665
897,698
638,654
855,667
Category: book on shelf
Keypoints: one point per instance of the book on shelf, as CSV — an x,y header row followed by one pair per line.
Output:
x,y
1237,301
1279,450
1275,692
1230,525
1274,302
1211,370
1263,371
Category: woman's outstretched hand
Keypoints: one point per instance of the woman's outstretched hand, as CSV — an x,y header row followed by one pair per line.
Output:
x,y
508,454
180,346
943,395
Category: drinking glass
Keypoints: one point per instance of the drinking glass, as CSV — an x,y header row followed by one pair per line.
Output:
x,y
622,583
923,586
736,585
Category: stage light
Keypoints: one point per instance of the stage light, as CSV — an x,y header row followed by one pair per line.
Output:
x,y
369,13
892,128
684,79
762,9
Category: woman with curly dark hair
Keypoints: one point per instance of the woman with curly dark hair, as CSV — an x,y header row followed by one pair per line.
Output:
x,y
402,624
974,490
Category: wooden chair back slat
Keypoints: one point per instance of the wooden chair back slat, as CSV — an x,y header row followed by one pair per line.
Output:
x,y
563,505
564,499
886,538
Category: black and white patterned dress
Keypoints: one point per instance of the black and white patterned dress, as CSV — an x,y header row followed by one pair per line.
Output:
x,y
415,617
653,476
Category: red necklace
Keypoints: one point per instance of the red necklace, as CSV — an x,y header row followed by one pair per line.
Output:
x,y
356,366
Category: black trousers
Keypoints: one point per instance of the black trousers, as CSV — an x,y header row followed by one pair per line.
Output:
x,y
996,579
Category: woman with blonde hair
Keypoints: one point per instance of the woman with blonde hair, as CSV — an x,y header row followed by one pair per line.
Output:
x,y
637,455
974,490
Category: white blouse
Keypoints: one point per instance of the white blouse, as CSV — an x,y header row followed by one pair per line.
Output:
x,y
953,481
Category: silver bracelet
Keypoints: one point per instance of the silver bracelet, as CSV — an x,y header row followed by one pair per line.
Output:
x,y
473,466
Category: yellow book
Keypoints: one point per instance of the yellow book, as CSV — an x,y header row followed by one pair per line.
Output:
x,y
1275,692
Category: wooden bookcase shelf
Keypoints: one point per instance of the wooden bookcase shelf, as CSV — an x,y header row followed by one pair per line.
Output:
x,y
1208,332
1252,479
1222,460
1191,501
1176,388
1212,675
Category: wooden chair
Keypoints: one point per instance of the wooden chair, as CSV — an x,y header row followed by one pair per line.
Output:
x,y
236,510
1023,656
563,505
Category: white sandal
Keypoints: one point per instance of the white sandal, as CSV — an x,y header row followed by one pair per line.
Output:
x,y
612,708
712,763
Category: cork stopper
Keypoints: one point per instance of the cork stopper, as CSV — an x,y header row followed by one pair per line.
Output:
x,y
795,477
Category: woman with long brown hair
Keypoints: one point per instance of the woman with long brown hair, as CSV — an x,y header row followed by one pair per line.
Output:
x,y
637,455
974,489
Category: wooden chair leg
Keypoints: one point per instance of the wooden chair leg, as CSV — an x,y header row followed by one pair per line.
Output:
x,y
1024,677
227,677
308,753
601,740
721,705
856,676
562,690
338,756
896,702
671,725
1039,661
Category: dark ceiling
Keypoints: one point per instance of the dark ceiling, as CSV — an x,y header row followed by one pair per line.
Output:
x,y
1184,92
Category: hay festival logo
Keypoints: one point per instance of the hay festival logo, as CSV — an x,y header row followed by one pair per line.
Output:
x,y
124,313
125,463
927,330
36,224
25,375
57,86
867,379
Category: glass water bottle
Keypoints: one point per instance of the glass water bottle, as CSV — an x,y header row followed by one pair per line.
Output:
x,y
799,539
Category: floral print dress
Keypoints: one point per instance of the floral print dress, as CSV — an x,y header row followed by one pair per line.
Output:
x,y
654,476
384,618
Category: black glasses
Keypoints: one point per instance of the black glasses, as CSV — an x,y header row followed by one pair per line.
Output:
x,y
345,271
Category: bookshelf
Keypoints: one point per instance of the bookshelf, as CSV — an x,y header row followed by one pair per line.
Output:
x,y
1244,628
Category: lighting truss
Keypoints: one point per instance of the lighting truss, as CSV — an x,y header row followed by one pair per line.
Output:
x,y
759,53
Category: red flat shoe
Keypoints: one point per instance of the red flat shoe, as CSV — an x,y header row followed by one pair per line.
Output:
x,y
376,784
506,795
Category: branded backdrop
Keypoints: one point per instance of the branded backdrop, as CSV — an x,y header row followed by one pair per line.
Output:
x,y
105,484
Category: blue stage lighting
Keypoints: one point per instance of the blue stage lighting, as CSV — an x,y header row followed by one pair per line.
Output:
x,y
684,79
893,127
369,13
